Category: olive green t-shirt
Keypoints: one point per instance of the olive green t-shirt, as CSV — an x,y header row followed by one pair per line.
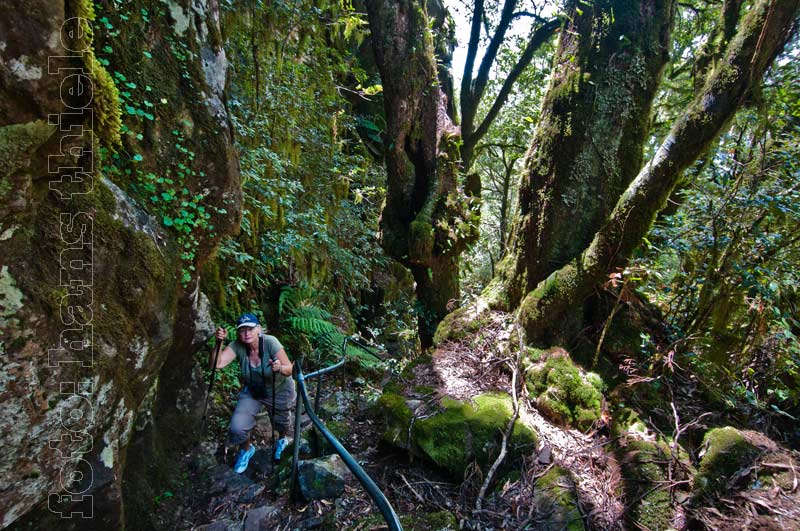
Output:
x,y
254,376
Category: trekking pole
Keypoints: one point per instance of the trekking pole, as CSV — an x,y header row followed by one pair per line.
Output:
x,y
217,348
272,358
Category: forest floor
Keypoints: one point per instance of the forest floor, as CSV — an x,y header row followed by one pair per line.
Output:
x,y
211,497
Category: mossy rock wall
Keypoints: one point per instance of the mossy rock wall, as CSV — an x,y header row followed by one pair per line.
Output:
x,y
459,433
91,307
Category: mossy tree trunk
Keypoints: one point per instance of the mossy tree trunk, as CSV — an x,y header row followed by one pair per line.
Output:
x,y
760,37
588,145
430,215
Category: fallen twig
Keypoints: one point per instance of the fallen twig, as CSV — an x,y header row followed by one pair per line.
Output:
x,y
515,370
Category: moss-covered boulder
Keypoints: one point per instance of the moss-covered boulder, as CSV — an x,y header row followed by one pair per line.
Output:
x,y
462,322
644,466
458,433
396,415
563,392
556,502
727,450
435,521
645,458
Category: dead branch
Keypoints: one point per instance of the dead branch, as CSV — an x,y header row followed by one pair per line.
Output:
x,y
515,370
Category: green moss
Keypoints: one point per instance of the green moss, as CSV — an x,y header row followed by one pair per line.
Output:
x,y
495,294
554,496
424,390
549,302
105,96
568,85
420,241
17,143
464,432
393,387
644,470
339,429
459,324
727,450
564,395
444,438
397,418
436,521
408,370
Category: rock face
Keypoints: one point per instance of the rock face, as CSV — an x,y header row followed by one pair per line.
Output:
x,y
97,331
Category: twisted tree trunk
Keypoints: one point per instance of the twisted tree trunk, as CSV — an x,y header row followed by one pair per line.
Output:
x,y
588,145
429,216
760,37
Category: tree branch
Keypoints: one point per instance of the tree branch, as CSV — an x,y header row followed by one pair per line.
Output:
x,y
538,38
761,36
472,51
491,50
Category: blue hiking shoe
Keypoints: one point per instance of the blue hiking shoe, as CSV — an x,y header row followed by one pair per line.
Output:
x,y
280,446
243,459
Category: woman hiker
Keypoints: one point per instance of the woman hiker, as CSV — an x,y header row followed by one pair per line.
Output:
x,y
261,358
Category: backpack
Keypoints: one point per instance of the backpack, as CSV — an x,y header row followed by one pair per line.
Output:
x,y
259,390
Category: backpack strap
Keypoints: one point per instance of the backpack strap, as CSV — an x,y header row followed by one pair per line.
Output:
x,y
261,356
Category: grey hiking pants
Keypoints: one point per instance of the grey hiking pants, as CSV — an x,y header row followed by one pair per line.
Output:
x,y
247,407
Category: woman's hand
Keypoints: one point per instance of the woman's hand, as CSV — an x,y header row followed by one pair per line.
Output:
x,y
221,333
277,366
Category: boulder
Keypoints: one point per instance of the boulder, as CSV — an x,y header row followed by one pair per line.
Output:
x,y
223,479
726,451
256,518
564,393
458,433
323,477
556,502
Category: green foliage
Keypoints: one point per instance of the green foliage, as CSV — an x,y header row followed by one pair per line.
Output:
x,y
308,324
311,193
723,266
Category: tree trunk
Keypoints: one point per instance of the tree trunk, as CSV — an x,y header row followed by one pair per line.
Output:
x,y
429,216
588,145
761,36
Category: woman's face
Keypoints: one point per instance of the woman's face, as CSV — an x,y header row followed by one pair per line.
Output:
x,y
248,334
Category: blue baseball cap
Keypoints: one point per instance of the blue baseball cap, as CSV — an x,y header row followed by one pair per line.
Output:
x,y
247,319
